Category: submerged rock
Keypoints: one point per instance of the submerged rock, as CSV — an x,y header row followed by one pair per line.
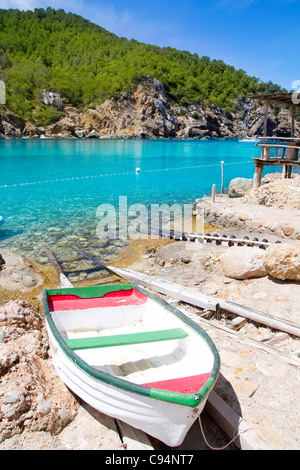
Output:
x,y
17,274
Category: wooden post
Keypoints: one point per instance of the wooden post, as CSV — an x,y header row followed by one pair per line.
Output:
x,y
293,122
266,118
213,193
283,172
222,177
232,424
265,129
257,175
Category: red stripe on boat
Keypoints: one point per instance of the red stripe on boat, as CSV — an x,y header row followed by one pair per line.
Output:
x,y
181,385
112,299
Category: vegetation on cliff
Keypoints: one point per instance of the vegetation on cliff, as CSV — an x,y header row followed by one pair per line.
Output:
x,y
63,52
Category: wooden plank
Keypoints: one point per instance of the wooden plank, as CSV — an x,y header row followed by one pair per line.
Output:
x,y
54,262
125,340
168,288
237,323
207,302
261,317
290,358
277,339
132,438
275,162
233,425
285,146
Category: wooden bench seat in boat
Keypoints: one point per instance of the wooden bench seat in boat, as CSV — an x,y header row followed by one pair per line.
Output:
x,y
126,339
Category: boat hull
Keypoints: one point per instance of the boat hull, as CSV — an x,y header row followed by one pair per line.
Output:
x,y
167,422
160,412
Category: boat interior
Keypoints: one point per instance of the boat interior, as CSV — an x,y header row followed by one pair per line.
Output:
x,y
131,336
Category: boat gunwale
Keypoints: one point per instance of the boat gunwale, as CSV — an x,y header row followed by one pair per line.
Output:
x,y
189,400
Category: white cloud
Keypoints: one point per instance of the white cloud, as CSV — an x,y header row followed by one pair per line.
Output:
x,y
18,4
105,15
234,4
67,5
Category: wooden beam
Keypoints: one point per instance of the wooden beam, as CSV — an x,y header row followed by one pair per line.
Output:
x,y
233,425
275,162
257,176
264,346
168,288
132,438
266,122
213,196
201,300
54,262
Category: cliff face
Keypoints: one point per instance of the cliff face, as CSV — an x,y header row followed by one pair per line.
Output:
x,y
149,113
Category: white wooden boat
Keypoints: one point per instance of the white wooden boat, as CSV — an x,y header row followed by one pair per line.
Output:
x,y
132,356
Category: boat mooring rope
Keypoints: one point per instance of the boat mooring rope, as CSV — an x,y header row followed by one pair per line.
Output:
x,y
228,444
74,178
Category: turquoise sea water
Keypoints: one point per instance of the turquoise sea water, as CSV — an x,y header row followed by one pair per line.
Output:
x,y
50,189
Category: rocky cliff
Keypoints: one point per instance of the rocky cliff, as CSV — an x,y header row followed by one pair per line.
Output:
x,y
149,113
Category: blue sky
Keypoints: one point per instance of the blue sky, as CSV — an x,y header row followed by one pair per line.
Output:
x,y
259,36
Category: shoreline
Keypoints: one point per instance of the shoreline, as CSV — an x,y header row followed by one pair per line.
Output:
x,y
129,137
252,382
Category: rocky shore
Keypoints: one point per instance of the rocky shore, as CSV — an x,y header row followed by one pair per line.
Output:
x,y
252,210
38,412
149,113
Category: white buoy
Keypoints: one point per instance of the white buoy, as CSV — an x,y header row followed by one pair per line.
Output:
x,y
137,169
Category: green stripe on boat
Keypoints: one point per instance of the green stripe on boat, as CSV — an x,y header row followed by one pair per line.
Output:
x,y
90,291
125,340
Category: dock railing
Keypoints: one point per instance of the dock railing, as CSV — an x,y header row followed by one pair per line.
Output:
x,y
288,147
286,153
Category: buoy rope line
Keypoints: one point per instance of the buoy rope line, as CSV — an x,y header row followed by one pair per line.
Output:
x,y
201,238
74,178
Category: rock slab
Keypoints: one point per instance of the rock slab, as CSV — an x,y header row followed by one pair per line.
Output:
x,y
243,262
282,261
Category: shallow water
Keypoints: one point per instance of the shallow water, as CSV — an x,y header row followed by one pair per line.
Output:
x,y
50,189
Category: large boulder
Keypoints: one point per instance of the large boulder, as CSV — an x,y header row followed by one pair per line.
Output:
x,y
64,126
16,273
239,186
11,127
99,120
282,261
243,262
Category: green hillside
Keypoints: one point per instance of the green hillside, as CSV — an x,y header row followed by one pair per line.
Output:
x,y
53,50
